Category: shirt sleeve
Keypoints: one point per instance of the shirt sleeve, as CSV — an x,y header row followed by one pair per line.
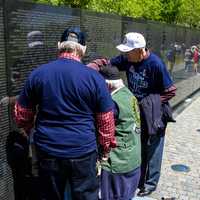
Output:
x,y
120,62
25,107
24,117
168,93
106,130
164,80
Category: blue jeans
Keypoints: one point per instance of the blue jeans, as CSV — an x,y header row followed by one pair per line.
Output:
x,y
152,151
80,173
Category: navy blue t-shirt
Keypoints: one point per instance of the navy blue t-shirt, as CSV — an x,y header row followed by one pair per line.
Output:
x,y
68,95
145,77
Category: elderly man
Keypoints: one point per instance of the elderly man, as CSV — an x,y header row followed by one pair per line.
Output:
x,y
146,75
71,101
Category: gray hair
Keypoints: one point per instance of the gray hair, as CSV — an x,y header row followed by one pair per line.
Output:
x,y
72,47
115,85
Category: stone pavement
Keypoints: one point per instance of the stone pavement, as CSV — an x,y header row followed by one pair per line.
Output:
x,y
182,146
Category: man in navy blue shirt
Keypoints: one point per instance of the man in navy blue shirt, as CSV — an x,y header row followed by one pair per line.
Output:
x,y
146,74
71,101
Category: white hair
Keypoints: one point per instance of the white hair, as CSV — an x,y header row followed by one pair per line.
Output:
x,y
72,47
115,85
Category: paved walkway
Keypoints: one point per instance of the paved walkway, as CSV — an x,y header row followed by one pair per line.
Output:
x,y
182,146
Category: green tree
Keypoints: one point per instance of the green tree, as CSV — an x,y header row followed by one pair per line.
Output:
x,y
71,3
182,12
134,8
189,14
170,10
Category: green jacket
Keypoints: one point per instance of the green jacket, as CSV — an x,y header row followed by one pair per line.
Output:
x,y
127,155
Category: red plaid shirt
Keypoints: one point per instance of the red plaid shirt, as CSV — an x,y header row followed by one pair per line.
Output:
x,y
106,130
24,117
168,94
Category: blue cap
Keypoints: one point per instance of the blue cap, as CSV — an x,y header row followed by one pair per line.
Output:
x,y
73,34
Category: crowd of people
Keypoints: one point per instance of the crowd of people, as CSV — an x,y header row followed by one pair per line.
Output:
x,y
191,57
94,137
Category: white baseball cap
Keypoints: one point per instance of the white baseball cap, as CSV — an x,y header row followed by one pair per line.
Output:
x,y
132,41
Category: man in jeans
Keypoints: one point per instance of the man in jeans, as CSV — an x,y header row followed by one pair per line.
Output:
x,y
146,75
71,101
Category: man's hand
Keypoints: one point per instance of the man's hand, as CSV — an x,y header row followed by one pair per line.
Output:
x,y
98,63
105,157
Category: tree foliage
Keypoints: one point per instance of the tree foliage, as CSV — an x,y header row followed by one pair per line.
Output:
x,y
170,10
182,12
189,14
71,3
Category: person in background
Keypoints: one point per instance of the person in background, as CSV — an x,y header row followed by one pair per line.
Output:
x,y
71,100
195,59
188,59
121,172
171,57
146,75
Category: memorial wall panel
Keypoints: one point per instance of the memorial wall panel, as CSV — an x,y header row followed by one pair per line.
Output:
x,y
6,181
34,31
195,37
170,35
103,34
32,35
155,37
180,44
180,35
180,48
188,36
133,25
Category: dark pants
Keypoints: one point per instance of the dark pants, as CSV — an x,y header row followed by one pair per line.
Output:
x,y
152,151
80,173
25,183
119,186
188,65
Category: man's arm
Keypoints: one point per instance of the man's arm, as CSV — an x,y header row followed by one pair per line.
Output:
x,y
167,87
24,117
118,61
168,93
25,106
106,131
98,63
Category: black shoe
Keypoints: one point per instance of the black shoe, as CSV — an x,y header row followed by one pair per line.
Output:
x,y
144,192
